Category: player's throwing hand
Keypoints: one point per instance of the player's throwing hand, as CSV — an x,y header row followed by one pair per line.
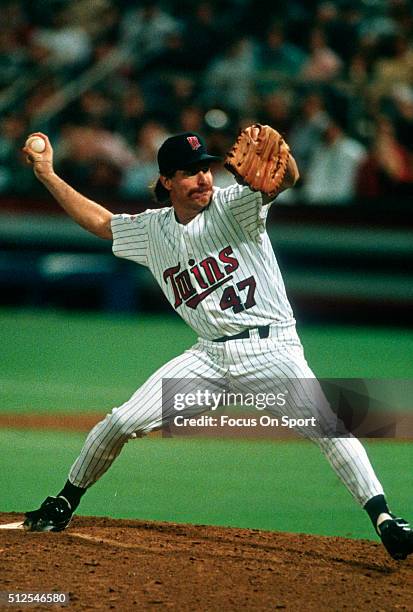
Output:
x,y
42,161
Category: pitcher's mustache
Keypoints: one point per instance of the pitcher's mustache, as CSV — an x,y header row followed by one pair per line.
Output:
x,y
201,190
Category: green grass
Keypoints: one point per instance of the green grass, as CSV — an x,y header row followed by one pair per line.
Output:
x,y
90,362
356,351
246,484
70,362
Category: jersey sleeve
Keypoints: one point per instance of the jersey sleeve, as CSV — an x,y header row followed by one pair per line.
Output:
x,y
246,207
130,237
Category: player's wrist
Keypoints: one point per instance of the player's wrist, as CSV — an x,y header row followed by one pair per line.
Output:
x,y
43,170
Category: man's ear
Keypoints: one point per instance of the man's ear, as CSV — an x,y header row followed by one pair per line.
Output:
x,y
166,182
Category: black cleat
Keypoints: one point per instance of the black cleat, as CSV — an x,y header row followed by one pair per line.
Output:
x,y
397,537
54,514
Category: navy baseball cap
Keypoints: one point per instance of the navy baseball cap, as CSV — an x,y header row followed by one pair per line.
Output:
x,y
181,151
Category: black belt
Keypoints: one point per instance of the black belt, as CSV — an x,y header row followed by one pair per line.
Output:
x,y
263,332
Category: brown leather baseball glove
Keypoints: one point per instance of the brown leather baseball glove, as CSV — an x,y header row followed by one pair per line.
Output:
x,y
259,159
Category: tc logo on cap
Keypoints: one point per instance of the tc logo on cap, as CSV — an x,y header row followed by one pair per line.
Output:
x,y
194,142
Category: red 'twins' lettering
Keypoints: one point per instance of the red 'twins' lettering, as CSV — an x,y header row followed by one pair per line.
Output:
x,y
232,263
207,275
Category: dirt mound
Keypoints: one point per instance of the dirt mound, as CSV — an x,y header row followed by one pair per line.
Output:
x,y
135,565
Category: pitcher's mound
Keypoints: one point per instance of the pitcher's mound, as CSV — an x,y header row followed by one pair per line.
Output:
x,y
136,565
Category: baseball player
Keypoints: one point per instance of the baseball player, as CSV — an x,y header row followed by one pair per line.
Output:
x,y
209,251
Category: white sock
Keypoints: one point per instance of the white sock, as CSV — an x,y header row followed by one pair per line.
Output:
x,y
381,518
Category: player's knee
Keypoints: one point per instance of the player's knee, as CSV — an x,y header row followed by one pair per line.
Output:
x,y
121,424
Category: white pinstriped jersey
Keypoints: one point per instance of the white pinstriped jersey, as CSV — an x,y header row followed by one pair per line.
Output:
x,y
220,274
219,271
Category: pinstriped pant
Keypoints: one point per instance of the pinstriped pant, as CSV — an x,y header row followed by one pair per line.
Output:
x,y
247,365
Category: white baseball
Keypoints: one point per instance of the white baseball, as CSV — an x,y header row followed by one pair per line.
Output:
x,y
36,144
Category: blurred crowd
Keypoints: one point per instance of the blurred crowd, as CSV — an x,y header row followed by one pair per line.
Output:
x,y
109,80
